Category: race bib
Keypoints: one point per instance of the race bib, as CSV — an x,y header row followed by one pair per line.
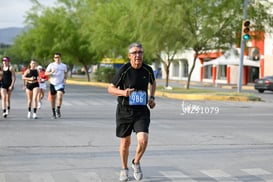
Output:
x,y
137,98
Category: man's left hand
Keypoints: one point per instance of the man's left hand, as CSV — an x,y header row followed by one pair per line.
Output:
x,y
151,103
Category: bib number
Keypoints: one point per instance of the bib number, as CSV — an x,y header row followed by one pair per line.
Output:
x,y
137,98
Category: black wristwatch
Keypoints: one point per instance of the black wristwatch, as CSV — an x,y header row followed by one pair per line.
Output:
x,y
152,97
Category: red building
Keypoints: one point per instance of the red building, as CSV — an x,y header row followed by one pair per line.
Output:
x,y
223,67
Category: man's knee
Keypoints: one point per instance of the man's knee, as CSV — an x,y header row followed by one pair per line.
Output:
x,y
125,142
142,138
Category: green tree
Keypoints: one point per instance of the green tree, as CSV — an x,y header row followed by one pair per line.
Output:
x,y
121,22
173,26
160,31
215,24
87,30
112,28
58,29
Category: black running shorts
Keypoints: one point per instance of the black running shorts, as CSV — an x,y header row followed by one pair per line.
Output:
x,y
31,86
130,119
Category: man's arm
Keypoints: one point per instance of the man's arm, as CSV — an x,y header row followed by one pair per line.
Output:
x,y
49,71
153,89
112,89
151,101
65,76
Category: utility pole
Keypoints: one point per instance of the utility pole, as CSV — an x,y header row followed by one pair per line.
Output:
x,y
241,65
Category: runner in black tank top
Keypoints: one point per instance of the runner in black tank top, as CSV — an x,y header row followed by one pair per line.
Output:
x,y
8,81
31,77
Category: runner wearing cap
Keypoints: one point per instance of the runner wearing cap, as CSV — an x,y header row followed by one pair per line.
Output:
x,y
42,84
8,81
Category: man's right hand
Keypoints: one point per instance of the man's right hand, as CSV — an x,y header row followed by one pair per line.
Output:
x,y
128,91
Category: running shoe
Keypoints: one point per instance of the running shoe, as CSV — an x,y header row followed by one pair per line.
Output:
x,y
58,113
28,115
39,105
34,116
124,175
53,116
137,171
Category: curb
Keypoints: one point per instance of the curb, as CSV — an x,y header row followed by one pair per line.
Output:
x,y
174,95
202,97
99,84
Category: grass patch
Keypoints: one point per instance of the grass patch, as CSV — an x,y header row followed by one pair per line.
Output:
x,y
184,90
210,92
82,78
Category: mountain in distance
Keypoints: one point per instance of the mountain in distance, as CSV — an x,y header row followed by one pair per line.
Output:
x,y
7,35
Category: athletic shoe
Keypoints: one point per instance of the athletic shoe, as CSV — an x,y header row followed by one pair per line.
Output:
x,y
39,105
58,113
123,175
34,116
53,116
137,171
5,115
28,115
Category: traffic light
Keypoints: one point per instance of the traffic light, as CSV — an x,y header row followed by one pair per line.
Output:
x,y
245,30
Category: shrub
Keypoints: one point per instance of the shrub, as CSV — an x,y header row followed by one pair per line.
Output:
x,y
104,74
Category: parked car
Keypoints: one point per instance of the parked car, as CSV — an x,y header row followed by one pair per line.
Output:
x,y
263,84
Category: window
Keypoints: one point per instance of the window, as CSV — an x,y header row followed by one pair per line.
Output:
x,y
222,72
185,66
208,72
176,69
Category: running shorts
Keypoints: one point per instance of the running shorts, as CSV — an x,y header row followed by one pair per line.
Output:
x,y
31,86
130,119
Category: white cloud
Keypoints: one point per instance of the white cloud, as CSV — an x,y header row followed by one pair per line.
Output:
x,y
12,12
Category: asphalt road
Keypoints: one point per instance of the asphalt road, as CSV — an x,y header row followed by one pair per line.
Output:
x,y
189,140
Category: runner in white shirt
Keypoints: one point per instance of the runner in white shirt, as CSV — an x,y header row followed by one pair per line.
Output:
x,y
57,72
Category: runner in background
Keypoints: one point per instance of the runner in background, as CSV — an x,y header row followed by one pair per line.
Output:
x,y
8,81
58,73
42,85
30,78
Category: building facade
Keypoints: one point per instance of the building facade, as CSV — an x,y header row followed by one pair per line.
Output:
x,y
224,67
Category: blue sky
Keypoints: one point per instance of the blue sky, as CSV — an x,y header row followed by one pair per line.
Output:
x,y
12,12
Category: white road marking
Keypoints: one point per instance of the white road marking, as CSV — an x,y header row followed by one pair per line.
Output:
x,y
216,173
256,171
176,174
